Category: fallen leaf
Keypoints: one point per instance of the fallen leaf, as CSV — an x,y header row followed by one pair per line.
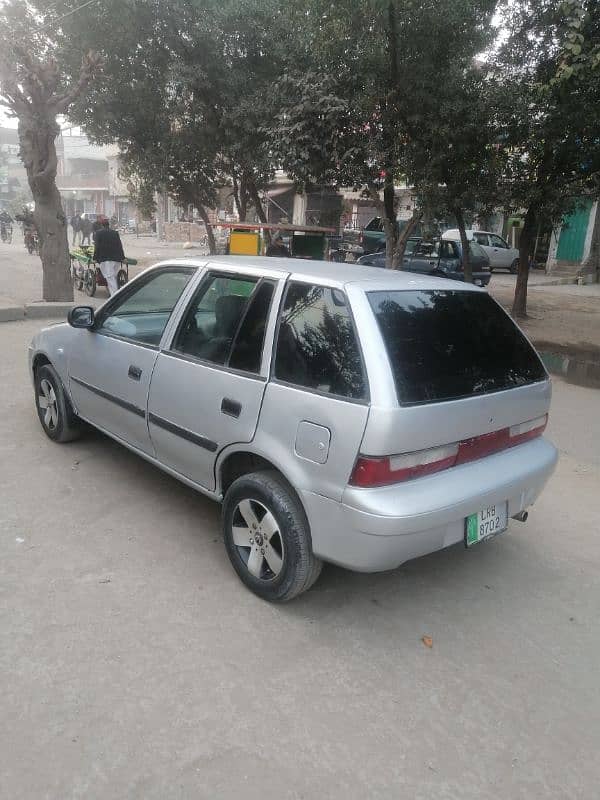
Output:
x,y
427,641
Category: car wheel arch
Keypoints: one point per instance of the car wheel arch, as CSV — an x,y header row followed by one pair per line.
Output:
x,y
40,360
242,462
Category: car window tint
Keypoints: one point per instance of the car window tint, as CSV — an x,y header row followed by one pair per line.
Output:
x,y
496,241
447,250
444,345
410,246
481,238
143,314
213,317
477,251
316,345
248,345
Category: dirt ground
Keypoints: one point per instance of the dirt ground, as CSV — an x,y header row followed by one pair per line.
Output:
x,y
563,319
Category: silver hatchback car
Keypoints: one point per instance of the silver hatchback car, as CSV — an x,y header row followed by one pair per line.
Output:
x,y
340,413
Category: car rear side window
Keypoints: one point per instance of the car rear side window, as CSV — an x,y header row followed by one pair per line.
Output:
x,y
316,345
446,345
248,345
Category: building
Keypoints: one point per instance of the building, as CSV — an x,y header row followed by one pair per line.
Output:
x,y
574,250
14,188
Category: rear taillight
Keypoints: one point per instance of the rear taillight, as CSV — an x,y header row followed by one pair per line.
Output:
x,y
370,471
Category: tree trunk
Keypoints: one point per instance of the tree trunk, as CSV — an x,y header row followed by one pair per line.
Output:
x,y
240,197
255,198
390,225
519,308
403,239
464,244
38,152
212,245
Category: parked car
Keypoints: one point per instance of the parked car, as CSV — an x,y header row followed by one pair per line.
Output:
x,y
339,413
372,237
443,259
497,249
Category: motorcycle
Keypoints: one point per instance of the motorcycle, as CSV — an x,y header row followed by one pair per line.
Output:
x,y
31,242
86,274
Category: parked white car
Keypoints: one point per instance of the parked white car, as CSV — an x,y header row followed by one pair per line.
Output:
x,y
500,253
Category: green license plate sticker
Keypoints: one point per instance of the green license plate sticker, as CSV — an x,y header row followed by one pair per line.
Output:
x,y
486,523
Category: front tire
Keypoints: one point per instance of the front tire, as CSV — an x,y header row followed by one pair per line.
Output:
x,y
54,407
89,281
121,278
514,267
267,537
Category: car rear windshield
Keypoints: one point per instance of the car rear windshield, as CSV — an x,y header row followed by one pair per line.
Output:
x,y
444,345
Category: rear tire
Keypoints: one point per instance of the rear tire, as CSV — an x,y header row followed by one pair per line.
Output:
x,y
54,409
267,537
121,278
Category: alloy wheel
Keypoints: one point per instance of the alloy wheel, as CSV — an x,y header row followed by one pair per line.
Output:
x,y
47,403
258,539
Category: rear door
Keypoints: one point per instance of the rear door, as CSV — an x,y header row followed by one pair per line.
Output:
x,y
208,384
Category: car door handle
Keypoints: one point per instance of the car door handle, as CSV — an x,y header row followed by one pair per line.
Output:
x,y
231,407
135,373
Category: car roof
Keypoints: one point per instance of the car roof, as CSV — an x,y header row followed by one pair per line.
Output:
x,y
329,273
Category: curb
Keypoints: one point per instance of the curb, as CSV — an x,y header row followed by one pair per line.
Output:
x,y
12,313
39,310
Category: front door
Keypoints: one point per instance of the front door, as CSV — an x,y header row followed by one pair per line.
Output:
x,y
499,253
207,388
110,366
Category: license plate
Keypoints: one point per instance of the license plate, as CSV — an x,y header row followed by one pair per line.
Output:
x,y
486,523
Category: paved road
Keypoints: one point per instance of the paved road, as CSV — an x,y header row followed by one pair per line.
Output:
x,y
134,664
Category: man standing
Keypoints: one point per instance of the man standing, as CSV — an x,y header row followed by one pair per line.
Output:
x,y
76,225
108,254
86,229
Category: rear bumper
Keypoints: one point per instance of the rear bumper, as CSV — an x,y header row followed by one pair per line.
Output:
x,y
379,529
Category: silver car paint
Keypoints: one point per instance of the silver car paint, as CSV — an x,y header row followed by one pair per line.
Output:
x,y
500,257
364,529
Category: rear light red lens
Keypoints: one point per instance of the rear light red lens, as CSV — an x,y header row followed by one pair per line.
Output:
x,y
374,471
371,471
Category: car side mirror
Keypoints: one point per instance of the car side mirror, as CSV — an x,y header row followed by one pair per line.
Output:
x,y
81,317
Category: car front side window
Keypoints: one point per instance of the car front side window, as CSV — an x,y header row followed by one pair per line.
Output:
x,y
496,241
142,313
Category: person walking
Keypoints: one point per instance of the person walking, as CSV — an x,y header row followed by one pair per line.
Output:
x,y
76,225
86,229
108,254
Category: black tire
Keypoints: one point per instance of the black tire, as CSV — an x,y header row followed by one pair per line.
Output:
x,y
89,281
291,544
121,278
514,267
60,424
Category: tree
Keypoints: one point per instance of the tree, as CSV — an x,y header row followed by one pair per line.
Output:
x,y
35,91
374,91
549,66
183,91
